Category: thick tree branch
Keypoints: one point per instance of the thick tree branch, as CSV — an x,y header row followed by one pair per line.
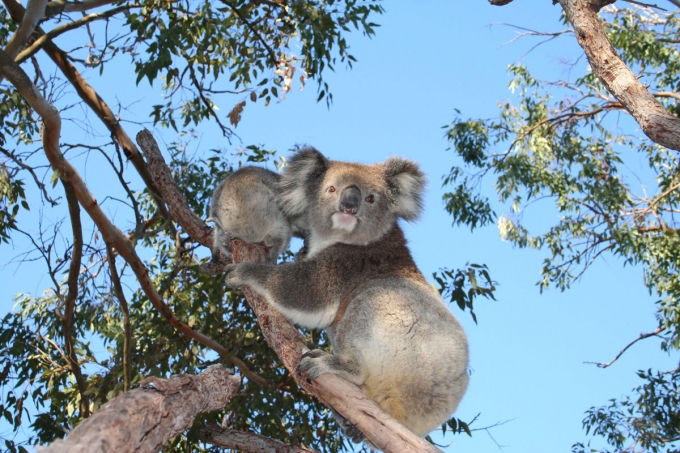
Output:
x,y
656,122
97,104
112,235
190,222
382,430
35,10
246,442
143,420
72,296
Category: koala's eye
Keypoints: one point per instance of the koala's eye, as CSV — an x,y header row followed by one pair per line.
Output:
x,y
370,199
331,189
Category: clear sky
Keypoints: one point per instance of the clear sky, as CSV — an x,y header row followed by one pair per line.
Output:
x,y
427,59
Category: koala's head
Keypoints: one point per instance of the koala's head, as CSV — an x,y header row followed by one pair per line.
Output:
x,y
348,202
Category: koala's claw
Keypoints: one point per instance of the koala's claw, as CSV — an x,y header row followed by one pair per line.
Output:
x,y
350,430
232,279
310,363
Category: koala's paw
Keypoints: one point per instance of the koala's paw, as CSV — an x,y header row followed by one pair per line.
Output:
x,y
235,274
348,429
313,363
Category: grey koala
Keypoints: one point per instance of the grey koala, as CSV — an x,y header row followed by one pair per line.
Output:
x,y
244,206
391,333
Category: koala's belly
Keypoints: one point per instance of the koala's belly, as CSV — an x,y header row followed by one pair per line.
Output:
x,y
411,349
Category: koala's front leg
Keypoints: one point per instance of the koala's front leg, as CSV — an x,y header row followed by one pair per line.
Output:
x,y
248,274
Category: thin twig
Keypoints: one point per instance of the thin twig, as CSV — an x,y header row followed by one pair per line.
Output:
x,y
40,42
29,169
641,337
272,54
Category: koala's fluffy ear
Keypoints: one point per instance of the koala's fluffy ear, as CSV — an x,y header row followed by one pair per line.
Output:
x,y
407,186
301,171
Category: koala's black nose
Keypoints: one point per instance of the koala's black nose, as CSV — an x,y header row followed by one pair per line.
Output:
x,y
350,200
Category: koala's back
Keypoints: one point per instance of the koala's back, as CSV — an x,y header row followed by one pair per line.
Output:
x,y
244,206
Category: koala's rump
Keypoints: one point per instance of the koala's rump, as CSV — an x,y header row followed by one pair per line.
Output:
x,y
413,350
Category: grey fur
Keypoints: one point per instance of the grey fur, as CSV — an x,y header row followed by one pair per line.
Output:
x,y
396,339
244,206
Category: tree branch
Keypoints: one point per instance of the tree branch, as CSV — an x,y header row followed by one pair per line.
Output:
x,y
70,300
111,234
125,311
190,222
382,430
35,10
145,419
62,6
246,442
40,42
97,104
656,122
641,337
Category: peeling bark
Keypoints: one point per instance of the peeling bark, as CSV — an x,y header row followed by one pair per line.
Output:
x,y
145,419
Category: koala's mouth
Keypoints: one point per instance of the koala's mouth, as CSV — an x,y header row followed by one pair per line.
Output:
x,y
344,221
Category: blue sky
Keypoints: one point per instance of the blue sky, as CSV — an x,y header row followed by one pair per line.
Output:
x,y
427,59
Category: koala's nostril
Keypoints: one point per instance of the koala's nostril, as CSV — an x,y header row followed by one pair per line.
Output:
x,y
350,200
348,209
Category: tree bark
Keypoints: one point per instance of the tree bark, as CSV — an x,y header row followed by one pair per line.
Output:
x,y
144,419
656,122
382,430
246,442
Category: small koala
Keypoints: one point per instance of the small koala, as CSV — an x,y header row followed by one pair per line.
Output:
x,y
391,333
244,206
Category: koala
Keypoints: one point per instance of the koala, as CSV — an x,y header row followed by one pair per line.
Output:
x,y
244,206
391,333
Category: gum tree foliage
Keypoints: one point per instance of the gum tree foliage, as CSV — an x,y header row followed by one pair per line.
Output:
x,y
566,150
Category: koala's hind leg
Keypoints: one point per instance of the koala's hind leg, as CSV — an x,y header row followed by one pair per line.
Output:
x,y
318,362
348,429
